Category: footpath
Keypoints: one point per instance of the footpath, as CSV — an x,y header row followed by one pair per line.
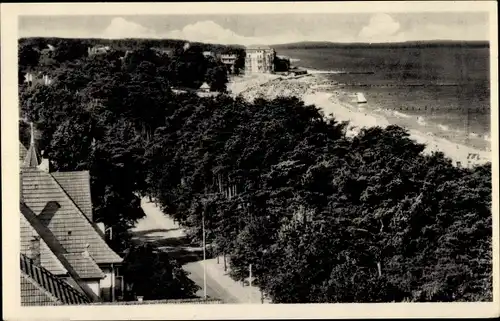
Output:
x,y
157,226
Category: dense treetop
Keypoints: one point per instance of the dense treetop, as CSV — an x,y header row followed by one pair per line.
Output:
x,y
322,217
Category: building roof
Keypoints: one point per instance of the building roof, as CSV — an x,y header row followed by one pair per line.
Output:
x,y
77,186
55,246
68,224
84,265
22,153
31,159
34,294
257,47
40,287
48,258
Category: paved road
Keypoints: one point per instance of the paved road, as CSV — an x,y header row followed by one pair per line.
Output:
x,y
160,229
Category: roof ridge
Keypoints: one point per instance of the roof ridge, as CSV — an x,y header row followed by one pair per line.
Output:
x,y
53,243
76,204
92,225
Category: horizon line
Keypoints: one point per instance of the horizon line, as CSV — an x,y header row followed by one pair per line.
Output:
x,y
274,44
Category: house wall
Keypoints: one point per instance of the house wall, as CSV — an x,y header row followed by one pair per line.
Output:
x,y
94,286
108,283
259,61
228,59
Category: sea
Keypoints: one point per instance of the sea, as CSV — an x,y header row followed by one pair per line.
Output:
x,y
443,90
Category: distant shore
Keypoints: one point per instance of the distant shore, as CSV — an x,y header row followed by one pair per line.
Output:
x,y
306,88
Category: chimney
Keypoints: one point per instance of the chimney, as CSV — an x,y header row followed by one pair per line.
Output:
x,y
34,250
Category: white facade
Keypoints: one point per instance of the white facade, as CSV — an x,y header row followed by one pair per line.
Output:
x,y
94,286
228,59
112,285
259,60
35,79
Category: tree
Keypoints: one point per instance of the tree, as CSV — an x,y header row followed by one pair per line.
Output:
x,y
70,50
281,64
154,275
322,217
239,64
28,57
217,78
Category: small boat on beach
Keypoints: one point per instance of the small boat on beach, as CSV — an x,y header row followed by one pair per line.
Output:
x,y
361,98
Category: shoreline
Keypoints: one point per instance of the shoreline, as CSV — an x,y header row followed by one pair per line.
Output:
x,y
270,86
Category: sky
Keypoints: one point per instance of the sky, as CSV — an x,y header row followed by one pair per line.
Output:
x,y
266,28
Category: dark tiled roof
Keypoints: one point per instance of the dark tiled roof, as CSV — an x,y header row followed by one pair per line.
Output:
x,y
77,186
22,153
68,224
55,246
34,294
32,159
48,258
40,287
85,266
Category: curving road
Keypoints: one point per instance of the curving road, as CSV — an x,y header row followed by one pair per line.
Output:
x,y
160,229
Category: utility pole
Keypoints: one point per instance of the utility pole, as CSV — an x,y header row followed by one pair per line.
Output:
x,y
204,254
250,283
204,198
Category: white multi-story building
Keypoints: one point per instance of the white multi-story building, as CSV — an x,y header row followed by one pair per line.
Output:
x,y
259,59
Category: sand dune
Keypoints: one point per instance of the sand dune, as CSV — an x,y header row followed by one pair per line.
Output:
x,y
271,86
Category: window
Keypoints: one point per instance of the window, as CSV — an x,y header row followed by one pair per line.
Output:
x,y
119,290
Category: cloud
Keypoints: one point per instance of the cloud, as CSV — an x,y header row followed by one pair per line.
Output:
x,y
201,31
121,28
380,27
384,28
208,31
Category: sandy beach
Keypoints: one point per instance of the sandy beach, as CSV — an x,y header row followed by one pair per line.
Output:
x,y
307,88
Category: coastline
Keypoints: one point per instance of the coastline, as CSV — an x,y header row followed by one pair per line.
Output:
x,y
305,87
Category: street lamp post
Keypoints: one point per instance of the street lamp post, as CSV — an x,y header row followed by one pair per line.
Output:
x,y
204,198
204,254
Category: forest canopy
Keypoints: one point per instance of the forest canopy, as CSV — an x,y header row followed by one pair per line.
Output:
x,y
321,216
